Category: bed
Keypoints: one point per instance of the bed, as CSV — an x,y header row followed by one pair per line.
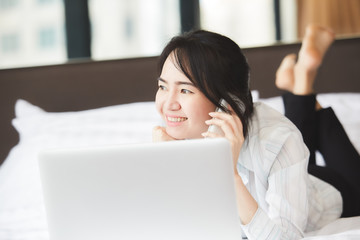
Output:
x,y
88,103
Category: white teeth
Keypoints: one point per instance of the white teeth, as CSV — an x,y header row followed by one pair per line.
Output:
x,y
178,119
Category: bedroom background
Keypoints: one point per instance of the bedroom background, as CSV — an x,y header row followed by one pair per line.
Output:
x,y
78,83
43,32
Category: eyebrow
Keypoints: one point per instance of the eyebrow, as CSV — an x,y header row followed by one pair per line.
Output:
x,y
177,82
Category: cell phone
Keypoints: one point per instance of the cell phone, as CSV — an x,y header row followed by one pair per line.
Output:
x,y
214,128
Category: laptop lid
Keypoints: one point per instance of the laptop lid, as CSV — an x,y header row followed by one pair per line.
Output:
x,y
168,190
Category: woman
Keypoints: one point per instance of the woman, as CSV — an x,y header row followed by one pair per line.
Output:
x,y
275,194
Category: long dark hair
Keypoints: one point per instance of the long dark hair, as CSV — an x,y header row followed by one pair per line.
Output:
x,y
217,67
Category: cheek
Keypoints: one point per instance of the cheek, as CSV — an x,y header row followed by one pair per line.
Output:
x,y
202,111
204,114
158,102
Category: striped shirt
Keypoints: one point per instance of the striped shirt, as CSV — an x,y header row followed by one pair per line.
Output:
x,y
273,166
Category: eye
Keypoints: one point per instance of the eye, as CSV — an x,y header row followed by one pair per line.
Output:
x,y
162,87
186,91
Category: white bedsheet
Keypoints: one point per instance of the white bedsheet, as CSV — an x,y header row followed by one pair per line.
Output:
x,y
343,228
22,213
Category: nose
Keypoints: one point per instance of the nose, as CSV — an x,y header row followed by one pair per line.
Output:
x,y
172,103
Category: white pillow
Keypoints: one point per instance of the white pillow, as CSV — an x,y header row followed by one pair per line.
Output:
x,y
108,125
21,207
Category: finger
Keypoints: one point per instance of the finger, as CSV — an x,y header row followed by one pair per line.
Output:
x,y
224,126
156,133
158,130
233,120
231,127
211,135
236,139
160,134
238,122
238,125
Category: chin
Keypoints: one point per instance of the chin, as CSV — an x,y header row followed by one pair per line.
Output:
x,y
176,135
180,135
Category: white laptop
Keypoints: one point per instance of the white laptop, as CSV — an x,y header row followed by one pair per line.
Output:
x,y
163,191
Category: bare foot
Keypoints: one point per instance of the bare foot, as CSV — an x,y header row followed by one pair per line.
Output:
x,y
316,42
285,73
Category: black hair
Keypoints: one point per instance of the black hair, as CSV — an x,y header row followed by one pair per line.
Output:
x,y
217,67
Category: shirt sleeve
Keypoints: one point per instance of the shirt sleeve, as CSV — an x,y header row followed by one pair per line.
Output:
x,y
285,216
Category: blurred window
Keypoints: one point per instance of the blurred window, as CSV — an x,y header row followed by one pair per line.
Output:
x,y
6,4
47,38
249,23
32,33
45,1
133,28
9,43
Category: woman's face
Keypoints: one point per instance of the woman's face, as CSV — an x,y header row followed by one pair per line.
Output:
x,y
182,106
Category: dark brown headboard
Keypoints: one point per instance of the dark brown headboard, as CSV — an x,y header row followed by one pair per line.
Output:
x,y
88,84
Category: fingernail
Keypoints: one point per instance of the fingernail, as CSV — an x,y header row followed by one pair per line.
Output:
x,y
211,113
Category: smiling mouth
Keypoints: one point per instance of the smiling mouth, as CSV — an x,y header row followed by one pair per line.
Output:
x,y
177,119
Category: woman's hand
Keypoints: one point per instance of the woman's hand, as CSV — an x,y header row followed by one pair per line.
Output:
x,y
232,127
159,134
